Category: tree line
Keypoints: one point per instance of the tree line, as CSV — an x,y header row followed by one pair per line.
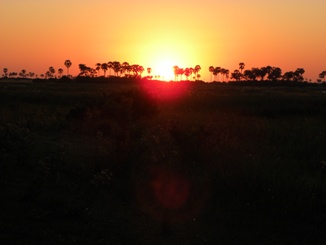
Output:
x,y
125,69
263,73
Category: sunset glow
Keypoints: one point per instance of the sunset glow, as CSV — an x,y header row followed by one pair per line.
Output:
x,y
37,34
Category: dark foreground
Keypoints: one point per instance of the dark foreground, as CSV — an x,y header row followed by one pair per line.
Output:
x,y
161,163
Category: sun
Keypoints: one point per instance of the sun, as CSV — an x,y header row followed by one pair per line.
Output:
x,y
161,57
163,69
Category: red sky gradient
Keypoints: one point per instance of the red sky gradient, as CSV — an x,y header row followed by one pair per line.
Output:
x,y
37,34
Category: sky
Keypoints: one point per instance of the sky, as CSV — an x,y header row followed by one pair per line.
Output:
x,y
289,34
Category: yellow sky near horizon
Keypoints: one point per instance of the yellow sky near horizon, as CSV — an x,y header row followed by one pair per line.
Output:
x,y
37,34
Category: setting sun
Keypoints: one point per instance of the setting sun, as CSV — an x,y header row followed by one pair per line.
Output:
x,y
163,70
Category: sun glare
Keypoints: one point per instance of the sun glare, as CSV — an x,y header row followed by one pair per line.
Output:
x,y
163,70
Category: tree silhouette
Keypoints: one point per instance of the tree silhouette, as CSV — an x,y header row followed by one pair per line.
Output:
x,y
211,70
52,70
181,71
262,72
104,67
188,72
67,64
217,71
288,76
60,72
124,67
31,74
225,73
48,74
149,71
274,73
110,66
249,75
236,75
196,70
5,71
141,70
298,74
98,68
176,72
116,67
322,75
23,73
84,70
241,66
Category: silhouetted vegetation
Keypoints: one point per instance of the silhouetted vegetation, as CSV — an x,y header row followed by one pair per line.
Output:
x,y
220,74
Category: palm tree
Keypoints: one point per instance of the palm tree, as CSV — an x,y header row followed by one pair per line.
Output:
x,y
140,70
98,68
181,71
5,71
67,64
196,70
225,73
83,69
48,74
124,67
149,70
60,72
322,75
31,74
104,67
187,72
110,66
241,66
211,70
217,71
176,72
52,70
116,67
23,73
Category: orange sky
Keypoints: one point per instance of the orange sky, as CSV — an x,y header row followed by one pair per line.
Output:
x,y
37,34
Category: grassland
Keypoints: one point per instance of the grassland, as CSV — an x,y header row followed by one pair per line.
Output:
x,y
76,162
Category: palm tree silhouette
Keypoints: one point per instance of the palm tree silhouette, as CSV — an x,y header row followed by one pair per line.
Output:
x,y
225,73
322,75
116,67
176,72
98,68
5,71
110,66
241,66
140,70
211,70
217,71
52,70
23,73
67,64
104,67
188,72
60,72
149,70
196,70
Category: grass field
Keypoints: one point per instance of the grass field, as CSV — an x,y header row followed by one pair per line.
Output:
x,y
146,162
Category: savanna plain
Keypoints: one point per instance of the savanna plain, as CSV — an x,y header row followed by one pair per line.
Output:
x,y
123,161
